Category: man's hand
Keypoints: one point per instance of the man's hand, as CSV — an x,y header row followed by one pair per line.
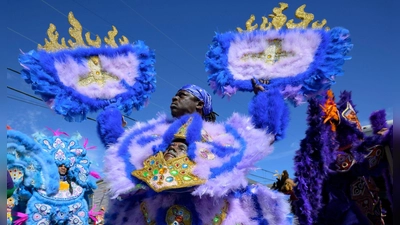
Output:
x,y
124,123
258,87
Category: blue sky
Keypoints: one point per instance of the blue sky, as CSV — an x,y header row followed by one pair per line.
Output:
x,y
180,31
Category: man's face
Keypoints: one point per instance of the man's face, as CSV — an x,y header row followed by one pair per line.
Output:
x,y
184,103
174,150
62,170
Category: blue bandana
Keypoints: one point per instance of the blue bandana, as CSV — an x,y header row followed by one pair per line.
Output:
x,y
201,94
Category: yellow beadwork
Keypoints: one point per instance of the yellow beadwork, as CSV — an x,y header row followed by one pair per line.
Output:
x,y
63,186
16,173
75,31
181,134
96,74
279,20
271,54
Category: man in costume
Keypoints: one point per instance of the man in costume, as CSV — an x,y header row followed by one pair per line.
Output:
x,y
188,170
352,181
51,174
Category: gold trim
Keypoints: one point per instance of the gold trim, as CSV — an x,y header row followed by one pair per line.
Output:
x,y
279,20
75,31
181,134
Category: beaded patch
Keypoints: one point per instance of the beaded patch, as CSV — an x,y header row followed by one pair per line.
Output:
x,y
178,215
365,193
344,161
375,155
162,175
220,217
16,174
145,213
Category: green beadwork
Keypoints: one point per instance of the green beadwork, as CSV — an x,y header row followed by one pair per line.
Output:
x,y
186,178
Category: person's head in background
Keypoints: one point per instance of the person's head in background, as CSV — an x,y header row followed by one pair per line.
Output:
x,y
62,170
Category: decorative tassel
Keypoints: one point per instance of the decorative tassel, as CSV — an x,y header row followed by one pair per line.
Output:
x,y
95,174
57,132
22,218
93,214
85,144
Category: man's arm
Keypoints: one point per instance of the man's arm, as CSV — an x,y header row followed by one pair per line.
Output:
x,y
110,126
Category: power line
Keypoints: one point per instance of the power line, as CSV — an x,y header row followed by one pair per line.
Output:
x,y
22,35
28,102
261,177
166,58
54,8
158,76
155,27
187,72
268,171
24,93
108,22
32,96
85,29
31,103
14,70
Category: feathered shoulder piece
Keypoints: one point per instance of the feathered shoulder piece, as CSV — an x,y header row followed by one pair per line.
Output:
x,y
291,57
85,76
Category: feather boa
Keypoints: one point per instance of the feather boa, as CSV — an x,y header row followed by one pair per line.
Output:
x,y
310,169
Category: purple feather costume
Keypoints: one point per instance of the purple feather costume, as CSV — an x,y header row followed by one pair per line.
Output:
x,y
353,168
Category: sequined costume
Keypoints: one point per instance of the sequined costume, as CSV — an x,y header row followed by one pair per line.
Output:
x,y
43,197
